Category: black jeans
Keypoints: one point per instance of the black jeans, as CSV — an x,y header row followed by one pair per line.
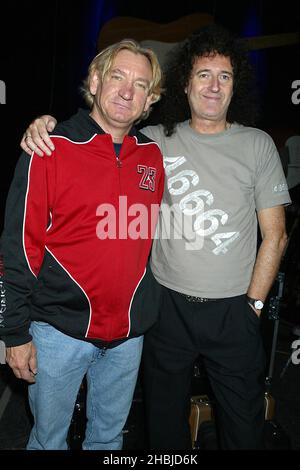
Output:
x,y
227,334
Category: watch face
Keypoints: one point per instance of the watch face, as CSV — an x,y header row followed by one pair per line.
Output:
x,y
258,304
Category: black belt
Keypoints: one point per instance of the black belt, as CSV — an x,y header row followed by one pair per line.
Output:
x,y
191,298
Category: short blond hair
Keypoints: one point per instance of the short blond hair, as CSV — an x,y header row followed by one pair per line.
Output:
x,y
103,61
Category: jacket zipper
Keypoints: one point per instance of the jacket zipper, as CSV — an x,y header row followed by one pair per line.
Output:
x,y
119,163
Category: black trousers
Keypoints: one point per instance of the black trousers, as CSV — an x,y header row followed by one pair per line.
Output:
x,y
226,333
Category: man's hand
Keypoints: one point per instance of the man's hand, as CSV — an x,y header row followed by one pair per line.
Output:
x,y
22,360
36,137
257,312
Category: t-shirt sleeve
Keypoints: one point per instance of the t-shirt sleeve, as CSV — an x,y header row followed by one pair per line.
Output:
x,y
271,188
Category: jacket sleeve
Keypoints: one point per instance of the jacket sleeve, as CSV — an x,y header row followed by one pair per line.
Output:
x,y
22,245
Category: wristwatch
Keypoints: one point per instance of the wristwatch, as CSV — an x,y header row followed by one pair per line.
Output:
x,y
256,303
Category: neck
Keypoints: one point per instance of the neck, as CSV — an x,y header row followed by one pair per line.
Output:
x,y
209,127
117,133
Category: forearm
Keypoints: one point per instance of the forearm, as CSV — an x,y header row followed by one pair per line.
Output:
x,y
15,289
266,266
22,245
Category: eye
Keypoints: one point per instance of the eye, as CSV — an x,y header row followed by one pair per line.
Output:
x,y
225,77
142,86
203,75
115,76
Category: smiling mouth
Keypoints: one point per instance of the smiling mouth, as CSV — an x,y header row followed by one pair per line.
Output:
x,y
212,98
121,105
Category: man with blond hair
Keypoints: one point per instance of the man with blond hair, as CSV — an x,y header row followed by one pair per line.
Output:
x,y
77,237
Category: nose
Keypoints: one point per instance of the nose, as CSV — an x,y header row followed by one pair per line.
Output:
x,y
126,91
214,84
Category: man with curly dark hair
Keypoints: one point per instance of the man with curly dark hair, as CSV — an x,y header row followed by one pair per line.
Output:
x,y
176,108
222,177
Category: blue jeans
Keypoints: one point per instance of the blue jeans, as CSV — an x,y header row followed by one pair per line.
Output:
x,y
63,362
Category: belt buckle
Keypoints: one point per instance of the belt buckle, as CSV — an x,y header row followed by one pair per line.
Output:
x,y
191,298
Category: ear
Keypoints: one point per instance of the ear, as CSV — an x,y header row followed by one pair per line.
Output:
x,y
150,99
94,83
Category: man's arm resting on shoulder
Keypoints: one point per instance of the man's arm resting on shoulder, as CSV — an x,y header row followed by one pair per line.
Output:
x,y
36,137
22,360
274,239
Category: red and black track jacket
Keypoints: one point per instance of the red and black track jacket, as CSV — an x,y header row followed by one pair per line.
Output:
x,y
60,265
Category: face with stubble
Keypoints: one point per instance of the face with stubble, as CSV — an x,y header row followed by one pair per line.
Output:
x,y
124,94
210,89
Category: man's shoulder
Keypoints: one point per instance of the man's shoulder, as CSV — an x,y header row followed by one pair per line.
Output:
x,y
148,143
254,132
63,127
158,134
154,133
79,127
143,137
254,137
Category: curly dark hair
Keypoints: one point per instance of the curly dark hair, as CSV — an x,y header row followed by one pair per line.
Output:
x,y
212,39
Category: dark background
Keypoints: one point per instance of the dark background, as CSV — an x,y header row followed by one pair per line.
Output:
x,y
46,47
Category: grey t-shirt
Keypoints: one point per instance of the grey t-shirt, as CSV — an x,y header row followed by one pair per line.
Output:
x,y
206,244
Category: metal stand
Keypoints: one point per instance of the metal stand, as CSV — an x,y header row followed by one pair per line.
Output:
x,y
273,314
